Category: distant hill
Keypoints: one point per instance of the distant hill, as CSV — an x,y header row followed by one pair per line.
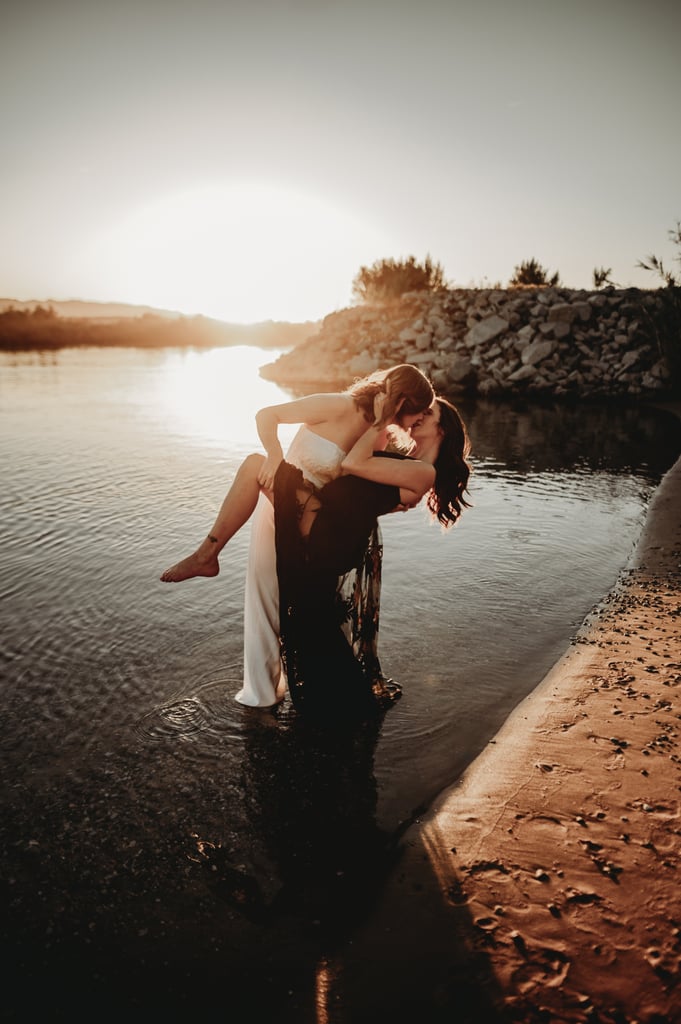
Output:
x,y
49,324
77,308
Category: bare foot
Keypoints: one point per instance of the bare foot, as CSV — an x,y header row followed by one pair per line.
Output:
x,y
203,562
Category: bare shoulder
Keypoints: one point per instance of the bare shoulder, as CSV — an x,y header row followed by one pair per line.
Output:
x,y
332,405
313,409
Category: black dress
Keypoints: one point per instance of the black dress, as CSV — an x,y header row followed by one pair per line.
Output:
x,y
329,594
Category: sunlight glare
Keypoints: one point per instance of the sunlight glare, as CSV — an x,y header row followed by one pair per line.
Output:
x,y
239,252
213,395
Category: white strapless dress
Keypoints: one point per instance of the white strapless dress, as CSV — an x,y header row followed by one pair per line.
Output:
x,y
264,679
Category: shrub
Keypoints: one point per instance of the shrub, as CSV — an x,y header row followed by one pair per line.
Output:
x,y
530,272
601,277
388,279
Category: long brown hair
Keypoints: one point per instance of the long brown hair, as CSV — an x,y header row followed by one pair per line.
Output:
x,y
452,470
407,389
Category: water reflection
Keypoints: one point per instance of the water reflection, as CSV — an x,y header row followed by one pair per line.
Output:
x,y
567,438
305,841
310,798
211,394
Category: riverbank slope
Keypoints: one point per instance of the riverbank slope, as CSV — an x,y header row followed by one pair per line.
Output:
x,y
544,885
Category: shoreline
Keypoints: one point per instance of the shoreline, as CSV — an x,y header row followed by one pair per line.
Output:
x,y
543,884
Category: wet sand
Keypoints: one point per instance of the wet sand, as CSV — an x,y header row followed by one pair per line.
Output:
x,y
544,885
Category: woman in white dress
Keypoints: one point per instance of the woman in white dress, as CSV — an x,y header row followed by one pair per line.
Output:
x,y
332,423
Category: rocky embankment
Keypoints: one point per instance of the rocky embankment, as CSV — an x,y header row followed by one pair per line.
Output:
x,y
553,341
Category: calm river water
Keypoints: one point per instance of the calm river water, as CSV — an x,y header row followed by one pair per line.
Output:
x,y
150,823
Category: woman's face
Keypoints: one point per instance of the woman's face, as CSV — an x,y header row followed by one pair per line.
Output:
x,y
426,425
406,420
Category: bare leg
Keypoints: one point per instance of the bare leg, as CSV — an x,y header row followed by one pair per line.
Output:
x,y
236,509
308,507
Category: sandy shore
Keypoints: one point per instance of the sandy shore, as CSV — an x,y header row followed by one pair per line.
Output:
x,y
545,884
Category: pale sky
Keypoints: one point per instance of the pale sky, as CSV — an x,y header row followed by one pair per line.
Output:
x,y
243,159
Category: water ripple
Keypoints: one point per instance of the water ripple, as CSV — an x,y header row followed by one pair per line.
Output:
x,y
183,718
209,715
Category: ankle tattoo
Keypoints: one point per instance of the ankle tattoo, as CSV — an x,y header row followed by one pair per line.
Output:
x,y
213,539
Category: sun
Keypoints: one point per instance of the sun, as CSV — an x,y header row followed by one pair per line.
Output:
x,y
241,252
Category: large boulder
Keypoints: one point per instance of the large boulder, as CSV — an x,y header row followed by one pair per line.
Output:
x,y
362,364
461,372
536,351
486,330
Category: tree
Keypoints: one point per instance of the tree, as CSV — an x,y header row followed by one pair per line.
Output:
x,y
530,272
662,316
388,279
657,267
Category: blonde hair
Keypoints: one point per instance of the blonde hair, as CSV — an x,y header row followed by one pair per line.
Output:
x,y
407,391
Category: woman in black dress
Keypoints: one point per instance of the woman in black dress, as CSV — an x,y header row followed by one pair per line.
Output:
x,y
328,557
